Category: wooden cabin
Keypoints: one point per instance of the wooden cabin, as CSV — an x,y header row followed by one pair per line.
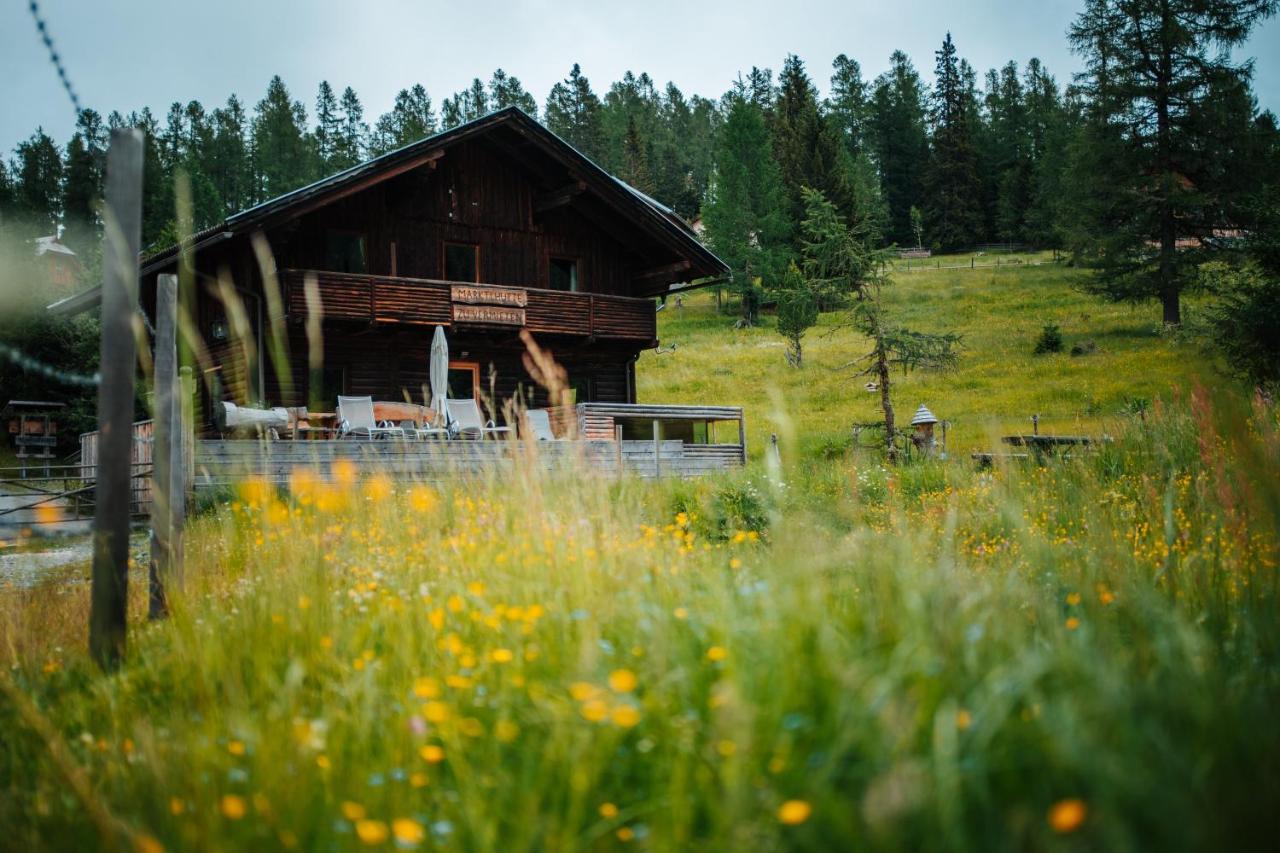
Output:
x,y
492,227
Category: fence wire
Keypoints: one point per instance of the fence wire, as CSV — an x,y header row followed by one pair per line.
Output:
x,y
43,29
30,364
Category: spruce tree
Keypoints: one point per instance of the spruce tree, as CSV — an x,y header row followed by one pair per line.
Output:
x,y
82,184
37,183
797,312
573,113
1049,129
280,147
899,142
635,163
228,165
506,90
353,134
1154,71
328,126
952,196
745,219
411,118
6,197
807,146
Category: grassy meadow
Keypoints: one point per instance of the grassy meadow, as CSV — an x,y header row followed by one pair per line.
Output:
x,y
821,653
998,385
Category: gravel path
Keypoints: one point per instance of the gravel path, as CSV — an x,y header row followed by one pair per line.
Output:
x,y
25,569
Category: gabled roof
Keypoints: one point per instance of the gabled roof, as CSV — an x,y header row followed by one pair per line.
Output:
x,y
657,219
659,222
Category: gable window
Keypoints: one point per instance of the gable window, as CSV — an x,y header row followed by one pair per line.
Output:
x,y
461,262
563,274
344,251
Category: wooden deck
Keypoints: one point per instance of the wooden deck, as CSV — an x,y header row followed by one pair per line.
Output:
x,y
390,300
220,463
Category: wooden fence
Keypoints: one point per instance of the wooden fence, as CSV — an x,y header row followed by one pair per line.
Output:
x,y
141,457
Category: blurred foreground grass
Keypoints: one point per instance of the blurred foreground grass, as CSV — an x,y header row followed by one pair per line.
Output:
x,y
1080,656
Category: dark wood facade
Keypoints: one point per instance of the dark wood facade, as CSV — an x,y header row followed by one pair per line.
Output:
x,y
547,242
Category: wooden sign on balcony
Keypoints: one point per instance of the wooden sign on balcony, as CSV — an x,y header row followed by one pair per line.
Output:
x,y
474,294
497,315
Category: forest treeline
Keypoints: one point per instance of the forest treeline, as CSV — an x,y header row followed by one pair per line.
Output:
x,y
881,141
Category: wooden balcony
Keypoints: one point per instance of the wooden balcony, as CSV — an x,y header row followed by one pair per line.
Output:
x,y
430,302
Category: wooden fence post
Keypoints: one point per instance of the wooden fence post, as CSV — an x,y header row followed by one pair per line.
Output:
x,y
168,463
657,450
122,214
617,449
188,411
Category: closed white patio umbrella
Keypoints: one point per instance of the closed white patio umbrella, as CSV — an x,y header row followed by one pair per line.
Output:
x,y
439,375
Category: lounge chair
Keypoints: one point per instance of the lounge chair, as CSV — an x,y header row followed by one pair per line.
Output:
x,y
355,420
539,423
466,421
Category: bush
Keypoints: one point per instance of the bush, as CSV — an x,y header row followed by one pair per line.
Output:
x,y
1245,321
1050,340
1086,348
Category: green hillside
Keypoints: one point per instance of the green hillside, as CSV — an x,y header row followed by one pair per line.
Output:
x,y
999,383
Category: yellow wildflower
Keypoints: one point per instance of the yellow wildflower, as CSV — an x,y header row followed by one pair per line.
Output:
x,y
717,653
1067,815
582,691
623,680
377,488
352,811
625,716
144,843
608,811
432,754
423,499
595,710
408,832
344,472
233,807
435,712
794,812
371,832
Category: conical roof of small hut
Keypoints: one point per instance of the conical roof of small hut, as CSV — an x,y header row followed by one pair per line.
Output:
x,y
923,416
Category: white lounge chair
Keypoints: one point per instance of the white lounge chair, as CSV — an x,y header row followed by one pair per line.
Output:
x,y
355,420
539,423
466,421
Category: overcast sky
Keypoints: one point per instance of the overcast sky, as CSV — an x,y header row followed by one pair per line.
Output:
x,y
130,53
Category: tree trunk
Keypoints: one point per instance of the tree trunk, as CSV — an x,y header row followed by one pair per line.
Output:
x,y
886,403
1169,295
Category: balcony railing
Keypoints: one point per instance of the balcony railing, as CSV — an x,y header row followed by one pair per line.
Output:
x,y
429,302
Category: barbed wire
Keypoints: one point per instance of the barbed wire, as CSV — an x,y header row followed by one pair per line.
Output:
x,y
43,29
29,364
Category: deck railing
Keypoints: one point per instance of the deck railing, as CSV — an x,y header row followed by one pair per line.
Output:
x,y
429,302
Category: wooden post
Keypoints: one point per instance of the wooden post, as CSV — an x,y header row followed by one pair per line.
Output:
x,y
122,227
188,412
657,450
617,449
167,458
